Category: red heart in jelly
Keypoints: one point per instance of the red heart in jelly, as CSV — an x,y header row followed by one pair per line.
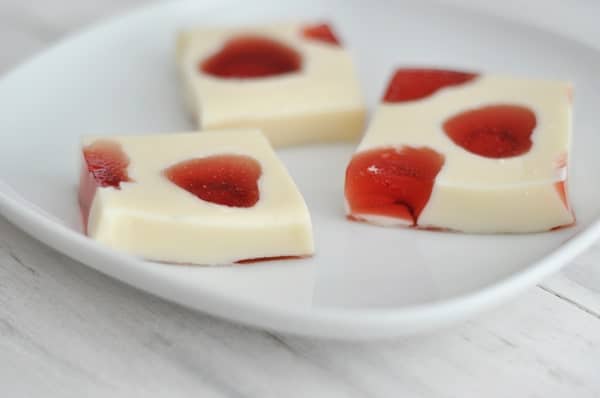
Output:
x,y
494,131
246,57
321,32
107,163
230,180
414,84
392,182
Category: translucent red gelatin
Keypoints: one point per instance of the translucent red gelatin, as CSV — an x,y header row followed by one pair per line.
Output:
x,y
392,182
561,189
495,131
252,57
561,186
230,180
415,84
105,165
264,259
562,192
321,32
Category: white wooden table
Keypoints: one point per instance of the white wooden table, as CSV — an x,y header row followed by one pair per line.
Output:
x,y
68,331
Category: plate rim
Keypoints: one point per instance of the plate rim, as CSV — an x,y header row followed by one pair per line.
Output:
x,y
357,323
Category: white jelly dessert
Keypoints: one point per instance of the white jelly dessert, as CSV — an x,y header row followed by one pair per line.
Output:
x,y
211,198
465,152
295,82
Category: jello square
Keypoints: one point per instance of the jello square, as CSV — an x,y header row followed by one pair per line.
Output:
x,y
212,198
466,152
295,82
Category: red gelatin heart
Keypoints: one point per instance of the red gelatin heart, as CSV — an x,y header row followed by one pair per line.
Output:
x,y
496,131
107,163
229,180
392,182
321,32
252,57
415,84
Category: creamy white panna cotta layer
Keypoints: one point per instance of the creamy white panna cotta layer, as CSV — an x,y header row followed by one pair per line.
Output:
x,y
153,218
321,102
474,193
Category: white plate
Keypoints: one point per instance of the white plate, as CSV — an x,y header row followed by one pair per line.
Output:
x,y
364,282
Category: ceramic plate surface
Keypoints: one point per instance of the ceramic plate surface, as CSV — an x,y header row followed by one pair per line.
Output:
x,y
365,281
